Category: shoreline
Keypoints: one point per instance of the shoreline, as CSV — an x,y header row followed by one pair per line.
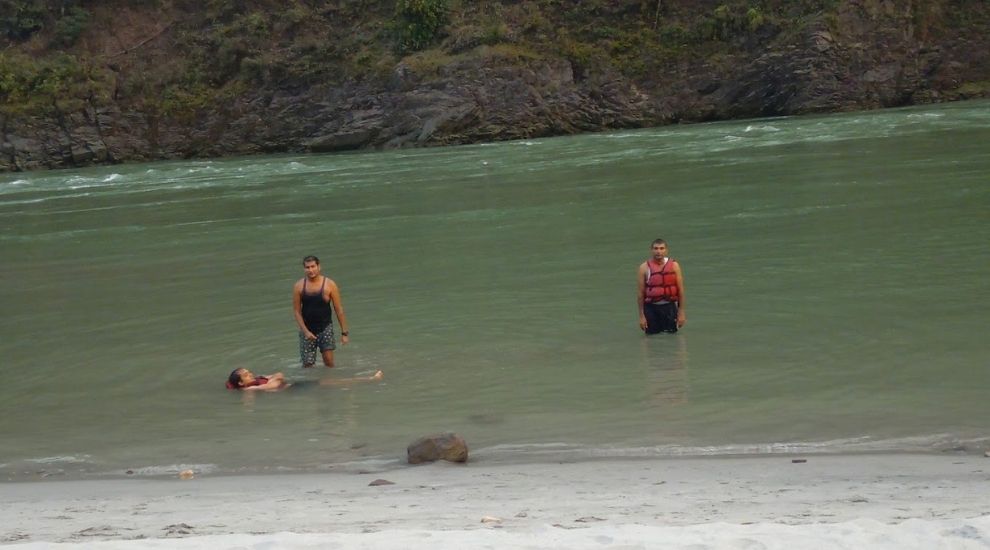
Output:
x,y
553,498
58,469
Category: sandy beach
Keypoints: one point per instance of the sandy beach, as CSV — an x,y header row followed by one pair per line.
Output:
x,y
847,501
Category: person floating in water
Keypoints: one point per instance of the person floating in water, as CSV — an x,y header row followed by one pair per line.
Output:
x,y
312,297
660,293
243,379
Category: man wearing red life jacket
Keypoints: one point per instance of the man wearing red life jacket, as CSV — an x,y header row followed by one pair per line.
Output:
x,y
661,292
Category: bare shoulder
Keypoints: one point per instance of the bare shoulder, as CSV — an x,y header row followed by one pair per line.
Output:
x,y
642,267
299,284
331,285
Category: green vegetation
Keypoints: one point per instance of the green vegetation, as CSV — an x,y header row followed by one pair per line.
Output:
x,y
70,26
178,57
61,82
974,89
418,23
21,19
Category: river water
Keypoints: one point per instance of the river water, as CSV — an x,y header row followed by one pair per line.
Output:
x,y
836,299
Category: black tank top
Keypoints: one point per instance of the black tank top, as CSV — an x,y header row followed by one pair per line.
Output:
x,y
316,313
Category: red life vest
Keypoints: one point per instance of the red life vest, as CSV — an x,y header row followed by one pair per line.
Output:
x,y
259,381
661,282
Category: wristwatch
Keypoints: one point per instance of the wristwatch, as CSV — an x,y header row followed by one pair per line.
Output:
x,y
343,333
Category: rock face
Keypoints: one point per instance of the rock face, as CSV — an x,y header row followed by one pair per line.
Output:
x,y
443,446
871,54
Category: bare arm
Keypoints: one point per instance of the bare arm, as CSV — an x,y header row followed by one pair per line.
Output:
x,y
338,306
348,381
297,310
681,315
641,294
275,381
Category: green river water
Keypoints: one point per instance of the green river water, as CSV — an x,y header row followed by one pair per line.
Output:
x,y
835,270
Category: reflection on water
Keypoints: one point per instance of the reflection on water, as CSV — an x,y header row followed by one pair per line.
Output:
x,y
665,368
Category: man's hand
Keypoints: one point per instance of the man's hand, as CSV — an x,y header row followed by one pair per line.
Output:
x,y
642,322
309,335
344,338
681,319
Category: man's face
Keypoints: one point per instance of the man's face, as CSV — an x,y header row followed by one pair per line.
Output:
x,y
659,251
247,377
312,269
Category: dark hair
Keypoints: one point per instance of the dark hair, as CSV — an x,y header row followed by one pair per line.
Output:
x,y
234,380
311,259
655,241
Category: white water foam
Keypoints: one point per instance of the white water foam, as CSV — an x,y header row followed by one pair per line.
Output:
x,y
169,470
82,459
761,128
941,443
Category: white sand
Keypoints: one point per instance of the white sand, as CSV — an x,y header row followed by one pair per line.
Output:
x,y
850,501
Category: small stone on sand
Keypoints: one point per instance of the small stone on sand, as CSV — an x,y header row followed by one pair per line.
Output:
x,y
378,482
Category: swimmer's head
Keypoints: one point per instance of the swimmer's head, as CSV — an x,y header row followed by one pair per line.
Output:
x,y
239,378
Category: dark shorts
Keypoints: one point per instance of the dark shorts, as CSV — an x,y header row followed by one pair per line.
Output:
x,y
660,317
307,348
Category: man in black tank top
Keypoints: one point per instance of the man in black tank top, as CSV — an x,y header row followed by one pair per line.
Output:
x,y
312,297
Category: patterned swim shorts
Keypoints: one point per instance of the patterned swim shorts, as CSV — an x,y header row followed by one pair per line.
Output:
x,y
307,348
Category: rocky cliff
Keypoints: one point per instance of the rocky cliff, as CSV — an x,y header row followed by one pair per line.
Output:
x,y
505,73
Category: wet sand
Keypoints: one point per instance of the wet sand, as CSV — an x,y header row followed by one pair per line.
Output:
x,y
544,504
